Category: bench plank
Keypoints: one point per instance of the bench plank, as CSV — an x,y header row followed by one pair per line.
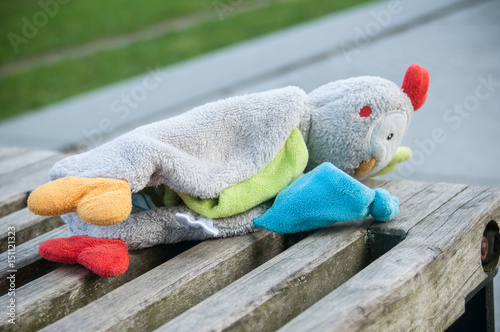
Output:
x,y
404,190
28,263
411,273
21,160
173,287
434,194
384,236
27,226
421,284
16,185
72,286
293,280
261,309
13,203
7,153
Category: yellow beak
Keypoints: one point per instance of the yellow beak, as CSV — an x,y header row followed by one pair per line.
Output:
x,y
364,167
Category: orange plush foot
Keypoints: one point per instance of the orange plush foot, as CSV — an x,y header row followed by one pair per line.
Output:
x,y
105,257
98,201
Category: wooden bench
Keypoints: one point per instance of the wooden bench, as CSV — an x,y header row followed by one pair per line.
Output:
x,y
414,273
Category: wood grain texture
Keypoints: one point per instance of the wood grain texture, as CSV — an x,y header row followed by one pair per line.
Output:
x,y
18,167
421,284
173,287
16,185
27,225
73,286
275,292
22,160
8,152
28,263
12,203
416,200
422,202
380,242
412,273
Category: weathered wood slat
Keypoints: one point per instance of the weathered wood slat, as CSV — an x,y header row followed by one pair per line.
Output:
x,y
411,273
174,286
278,290
71,287
19,161
404,190
12,203
27,226
414,196
16,185
262,308
28,263
24,176
435,195
421,284
7,153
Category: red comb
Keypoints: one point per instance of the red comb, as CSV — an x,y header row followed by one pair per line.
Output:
x,y
415,85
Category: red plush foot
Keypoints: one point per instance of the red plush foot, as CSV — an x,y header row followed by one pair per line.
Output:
x,y
107,260
105,257
66,250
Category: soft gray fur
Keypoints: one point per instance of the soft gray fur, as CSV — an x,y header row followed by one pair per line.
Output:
x,y
339,135
220,144
200,152
148,228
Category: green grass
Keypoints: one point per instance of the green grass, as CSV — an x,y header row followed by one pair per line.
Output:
x,y
47,84
81,21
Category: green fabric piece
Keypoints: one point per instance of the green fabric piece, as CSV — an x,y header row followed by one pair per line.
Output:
x,y
403,153
170,198
284,169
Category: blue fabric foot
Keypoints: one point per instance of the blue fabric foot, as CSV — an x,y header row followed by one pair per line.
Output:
x,y
322,197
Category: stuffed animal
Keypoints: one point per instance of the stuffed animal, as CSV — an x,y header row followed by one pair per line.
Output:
x,y
216,170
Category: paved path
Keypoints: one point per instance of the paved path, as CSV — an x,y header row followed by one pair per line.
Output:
x,y
454,136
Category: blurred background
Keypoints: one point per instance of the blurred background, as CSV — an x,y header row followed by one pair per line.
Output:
x,y
74,74
56,49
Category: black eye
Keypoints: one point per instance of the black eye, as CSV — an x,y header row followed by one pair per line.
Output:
x,y
390,136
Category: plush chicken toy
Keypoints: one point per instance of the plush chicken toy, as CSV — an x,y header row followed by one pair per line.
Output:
x,y
231,167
